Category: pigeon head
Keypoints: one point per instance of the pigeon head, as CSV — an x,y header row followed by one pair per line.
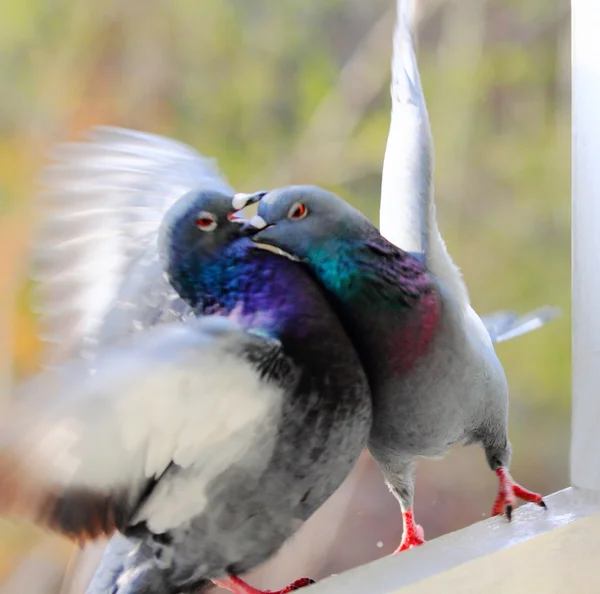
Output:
x,y
308,223
341,246
195,231
204,220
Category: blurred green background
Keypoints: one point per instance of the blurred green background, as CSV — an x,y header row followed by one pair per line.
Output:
x,y
298,91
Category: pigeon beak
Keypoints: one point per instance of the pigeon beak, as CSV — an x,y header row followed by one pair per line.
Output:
x,y
255,225
242,200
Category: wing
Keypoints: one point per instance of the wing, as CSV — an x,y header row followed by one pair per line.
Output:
x,y
407,212
164,414
505,325
102,206
406,186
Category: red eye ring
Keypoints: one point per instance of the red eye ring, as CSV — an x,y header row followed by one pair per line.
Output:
x,y
298,211
205,221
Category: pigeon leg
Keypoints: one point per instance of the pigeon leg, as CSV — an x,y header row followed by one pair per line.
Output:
x,y
413,534
237,586
498,457
399,477
508,493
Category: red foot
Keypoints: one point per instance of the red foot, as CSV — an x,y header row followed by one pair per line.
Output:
x,y
237,586
509,491
413,533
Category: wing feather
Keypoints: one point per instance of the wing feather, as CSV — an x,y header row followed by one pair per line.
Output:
x,y
102,206
406,186
78,450
506,325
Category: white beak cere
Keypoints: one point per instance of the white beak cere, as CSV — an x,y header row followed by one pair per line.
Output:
x,y
257,222
240,200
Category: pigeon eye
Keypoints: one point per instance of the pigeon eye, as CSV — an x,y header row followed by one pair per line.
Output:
x,y
206,222
298,211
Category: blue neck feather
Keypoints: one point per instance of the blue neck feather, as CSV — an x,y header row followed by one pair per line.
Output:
x,y
269,292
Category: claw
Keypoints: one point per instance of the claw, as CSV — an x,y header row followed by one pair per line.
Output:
x,y
296,585
508,493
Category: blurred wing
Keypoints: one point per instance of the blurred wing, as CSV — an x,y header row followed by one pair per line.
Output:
x,y
505,325
406,184
165,413
145,299
104,202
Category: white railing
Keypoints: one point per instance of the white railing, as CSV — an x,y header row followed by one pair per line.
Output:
x,y
585,447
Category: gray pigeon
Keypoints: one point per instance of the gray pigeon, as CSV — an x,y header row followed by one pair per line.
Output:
x,y
434,374
181,440
326,422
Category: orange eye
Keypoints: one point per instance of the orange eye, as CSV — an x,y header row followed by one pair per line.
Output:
x,y
298,211
205,222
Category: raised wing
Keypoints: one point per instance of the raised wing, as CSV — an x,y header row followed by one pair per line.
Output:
x,y
101,209
406,185
407,212
165,413
505,325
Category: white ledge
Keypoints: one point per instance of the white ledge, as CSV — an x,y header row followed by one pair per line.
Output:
x,y
447,552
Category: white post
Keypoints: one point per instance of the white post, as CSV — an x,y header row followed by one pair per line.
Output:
x,y
585,446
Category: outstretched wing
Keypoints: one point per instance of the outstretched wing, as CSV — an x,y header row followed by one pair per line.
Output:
x,y
163,415
103,204
505,325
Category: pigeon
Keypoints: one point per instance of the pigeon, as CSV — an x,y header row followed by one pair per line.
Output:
x,y
325,412
435,377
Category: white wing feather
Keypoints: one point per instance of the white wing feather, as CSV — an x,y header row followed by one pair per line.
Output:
x,y
177,393
102,207
407,166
